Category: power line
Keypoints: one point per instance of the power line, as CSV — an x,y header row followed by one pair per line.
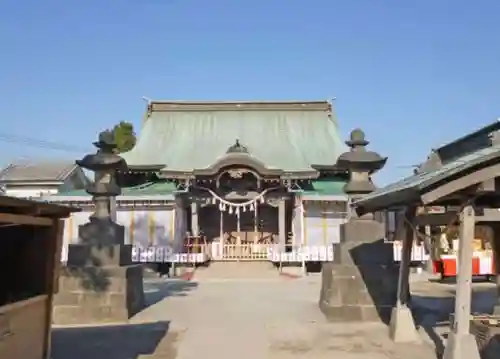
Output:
x,y
38,143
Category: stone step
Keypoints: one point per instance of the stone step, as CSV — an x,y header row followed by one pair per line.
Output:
x,y
236,270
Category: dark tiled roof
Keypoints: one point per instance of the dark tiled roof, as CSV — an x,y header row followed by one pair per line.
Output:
x,y
37,171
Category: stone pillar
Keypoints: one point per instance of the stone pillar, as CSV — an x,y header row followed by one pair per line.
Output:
x,y
195,229
100,284
282,224
113,208
360,284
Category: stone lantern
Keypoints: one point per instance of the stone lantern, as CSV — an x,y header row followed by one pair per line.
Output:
x,y
361,164
360,284
105,164
100,283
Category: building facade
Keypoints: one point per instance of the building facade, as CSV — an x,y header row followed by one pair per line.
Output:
x,y
230,181
41,178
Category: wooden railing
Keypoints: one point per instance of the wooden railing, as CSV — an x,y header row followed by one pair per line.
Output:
x,y
245,252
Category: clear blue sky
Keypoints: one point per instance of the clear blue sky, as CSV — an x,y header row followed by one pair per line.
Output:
x,y
412,74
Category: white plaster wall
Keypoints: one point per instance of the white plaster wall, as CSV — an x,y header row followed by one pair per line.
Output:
x,y
320,225
30,192
143,228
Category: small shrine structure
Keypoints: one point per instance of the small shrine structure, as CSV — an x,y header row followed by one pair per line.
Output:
x,y
463,178
31,235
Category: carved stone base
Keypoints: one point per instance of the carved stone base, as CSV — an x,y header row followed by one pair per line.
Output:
x,y
89,295
361,283
346,294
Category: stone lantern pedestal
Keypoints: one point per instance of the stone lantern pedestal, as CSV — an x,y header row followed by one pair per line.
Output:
x,y
100,284
360,283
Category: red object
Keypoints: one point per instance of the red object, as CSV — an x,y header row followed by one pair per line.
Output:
x,y
448,266
289,275
187,275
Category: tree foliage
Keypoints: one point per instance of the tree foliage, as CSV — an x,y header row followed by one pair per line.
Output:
x,y
124,136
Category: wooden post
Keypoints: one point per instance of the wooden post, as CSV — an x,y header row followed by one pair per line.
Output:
x,y
281,224
52,269
256,223
404,269
430,244
461,343
221,234
302,235
402,327
194,219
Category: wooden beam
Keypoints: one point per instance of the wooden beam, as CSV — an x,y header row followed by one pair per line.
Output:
x,y
25,220
487,186
436,219
461,183
441,219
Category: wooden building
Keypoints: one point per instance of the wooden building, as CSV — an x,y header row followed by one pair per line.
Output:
x,y
463,178
249,179
34,179
31,234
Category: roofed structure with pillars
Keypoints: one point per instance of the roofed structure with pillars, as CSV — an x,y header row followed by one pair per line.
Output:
x,y
245,180
462,177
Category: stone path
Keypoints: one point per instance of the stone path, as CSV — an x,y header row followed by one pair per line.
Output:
x,y
246,311
231,315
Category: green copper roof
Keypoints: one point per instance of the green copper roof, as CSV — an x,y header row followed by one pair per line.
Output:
x,y
148,189
287,136
407,189
326,188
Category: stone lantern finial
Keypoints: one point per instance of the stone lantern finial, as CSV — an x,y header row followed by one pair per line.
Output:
x,y
360,163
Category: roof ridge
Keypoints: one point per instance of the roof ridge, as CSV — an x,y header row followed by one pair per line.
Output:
x,y
238,101
174,106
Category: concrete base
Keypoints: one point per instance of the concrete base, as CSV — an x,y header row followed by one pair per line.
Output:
x,y
346,297
402,327
89,295
361,282
461,347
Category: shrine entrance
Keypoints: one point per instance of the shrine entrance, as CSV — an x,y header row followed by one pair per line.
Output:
x,y
241,215
249,235
242,233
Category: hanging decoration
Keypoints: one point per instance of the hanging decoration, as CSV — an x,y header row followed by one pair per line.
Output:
x,y
233,207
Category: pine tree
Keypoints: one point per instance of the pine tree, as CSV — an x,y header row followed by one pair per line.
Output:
x,y
125,137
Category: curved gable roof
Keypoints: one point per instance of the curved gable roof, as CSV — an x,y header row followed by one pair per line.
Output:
x,y
289,136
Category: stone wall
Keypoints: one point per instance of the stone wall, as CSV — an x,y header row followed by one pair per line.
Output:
x,y
100,295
